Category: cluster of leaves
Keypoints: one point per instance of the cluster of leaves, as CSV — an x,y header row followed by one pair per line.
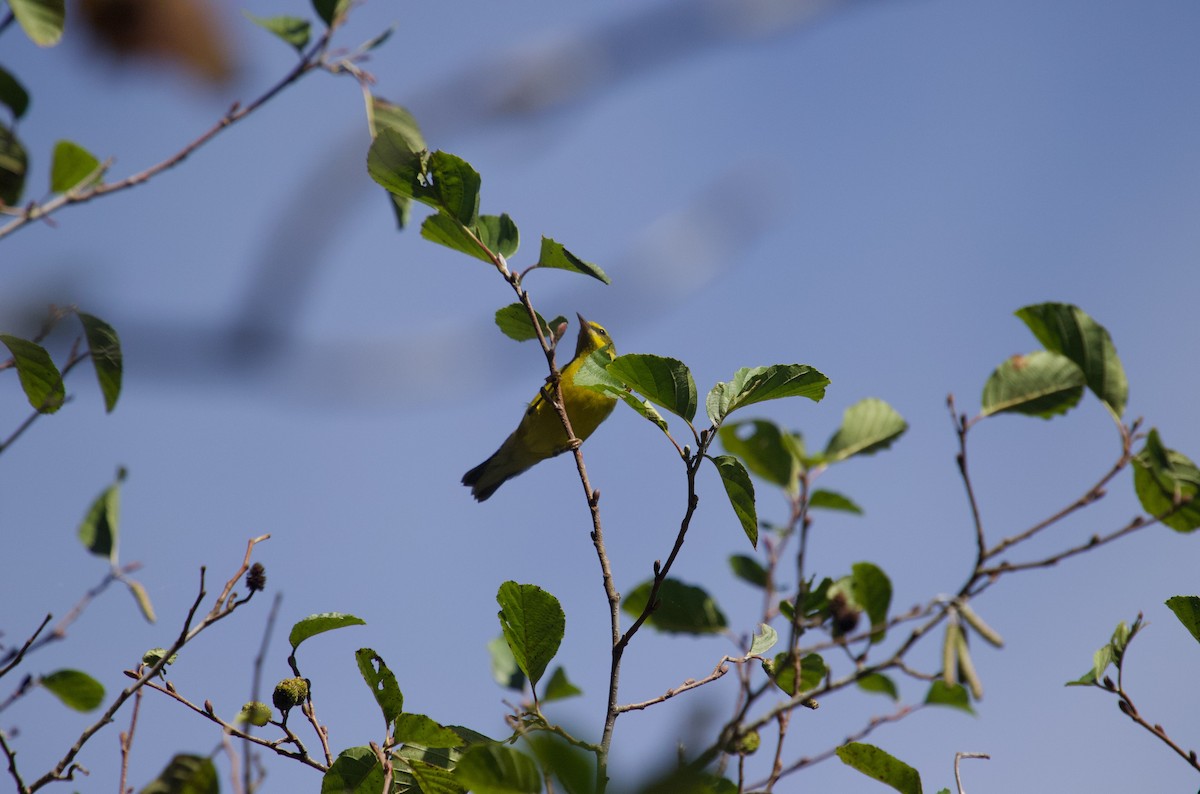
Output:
x,y
416,753
72,167
1078,353
1112,654
42,380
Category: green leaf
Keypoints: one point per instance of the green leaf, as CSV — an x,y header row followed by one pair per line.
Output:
x,y
42,20
574,767
499,233
419,729
755,384
513,321
187,774
13,165
764,640
1110,653
831,500
682,608
740,491
533,624
390,116
1167,483
558,687
812,672
1041,384
378,39
498,769
13,94
386,115
873,590
254,713
952,695
313,625
356,769
439,180
1066,329
293,30
401,209
748,569
594,375
154,655
555,256
1087,679
505,670
39,377
765,449
382,682
138,591
75,689
99,530
434,779
331,12
107,360
867,427
879,765
443,757
450,232
879,683
689,780
457,186
666,382
1187,609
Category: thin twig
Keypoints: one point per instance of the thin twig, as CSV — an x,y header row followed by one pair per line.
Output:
x,y
1094,542
311,60
11,755
65,768
73,360
207,712
310,712
126,740
256,685
1093,494
961,426
718,672
15,656
234,772
1125,703
958,757
555,395
386,763
866,731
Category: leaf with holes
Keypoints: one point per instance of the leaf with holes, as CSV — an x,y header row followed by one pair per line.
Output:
x,y
382,682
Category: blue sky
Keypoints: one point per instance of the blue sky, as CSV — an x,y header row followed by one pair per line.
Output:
x,y
871,189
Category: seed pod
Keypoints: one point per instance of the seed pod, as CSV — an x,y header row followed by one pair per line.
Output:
x,y
256,577
950,650
967,669
289,692
985,631
746,744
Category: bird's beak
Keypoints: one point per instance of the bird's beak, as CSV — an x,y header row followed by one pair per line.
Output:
x,y
582,321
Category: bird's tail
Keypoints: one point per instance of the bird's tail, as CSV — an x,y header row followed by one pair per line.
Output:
x,y
505,464
484,479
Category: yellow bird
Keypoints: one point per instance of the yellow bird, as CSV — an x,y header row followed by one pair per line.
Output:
x,y
540,434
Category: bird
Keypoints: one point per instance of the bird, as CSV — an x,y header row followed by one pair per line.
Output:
x,y
540,434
